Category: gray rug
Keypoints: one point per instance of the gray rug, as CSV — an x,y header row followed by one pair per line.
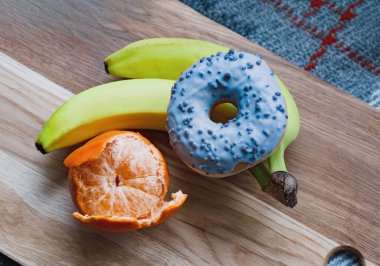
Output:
x,y
338,41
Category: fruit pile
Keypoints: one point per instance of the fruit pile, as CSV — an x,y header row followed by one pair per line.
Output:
x,y
118,180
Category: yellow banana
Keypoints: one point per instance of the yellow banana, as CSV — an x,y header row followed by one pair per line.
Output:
x,y
164,58
122,104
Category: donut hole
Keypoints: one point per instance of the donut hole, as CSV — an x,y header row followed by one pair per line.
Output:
x,y
222,112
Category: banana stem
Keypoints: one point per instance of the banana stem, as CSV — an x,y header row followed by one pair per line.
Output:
x,y
261,174
277,160
281,185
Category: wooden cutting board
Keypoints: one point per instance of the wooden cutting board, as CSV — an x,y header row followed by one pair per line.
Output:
x,y
336,157
220,223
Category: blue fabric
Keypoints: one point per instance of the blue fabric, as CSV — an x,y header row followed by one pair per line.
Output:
x,y
337,41
344,258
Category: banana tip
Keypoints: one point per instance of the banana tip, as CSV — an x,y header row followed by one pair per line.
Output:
x,y
40,148
106,67
283,187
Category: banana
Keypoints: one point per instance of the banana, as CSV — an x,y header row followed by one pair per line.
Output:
x,y
168,58
164,58
122,104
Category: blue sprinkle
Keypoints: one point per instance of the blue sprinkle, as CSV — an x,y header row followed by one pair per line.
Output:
x,y
274,117
190,109
262,151
257,107
239,133
257,116
266,116
211,84
280,108
192,144
187,121
243,68
241,55
209,131
201,74
218,53
254,141
186,133
286,116
209,63
254,95
214,136
181,108
180,78
278,93
249,65
237,157
274,98
227,76
258,63
231,51
245,149
202,59
208,145
185,103
221,136
238,123
266,134
219,72
209,71
226,148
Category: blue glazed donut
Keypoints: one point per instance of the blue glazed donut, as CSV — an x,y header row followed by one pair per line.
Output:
x,y
217,149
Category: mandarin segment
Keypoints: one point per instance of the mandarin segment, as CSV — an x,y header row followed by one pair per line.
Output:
x,y
124,186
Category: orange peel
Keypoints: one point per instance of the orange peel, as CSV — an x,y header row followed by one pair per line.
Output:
x,y
119,181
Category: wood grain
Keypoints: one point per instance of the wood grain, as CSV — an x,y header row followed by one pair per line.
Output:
x,y
220,224
336,158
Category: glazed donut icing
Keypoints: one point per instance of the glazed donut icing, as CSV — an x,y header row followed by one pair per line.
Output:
x,y
215,148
